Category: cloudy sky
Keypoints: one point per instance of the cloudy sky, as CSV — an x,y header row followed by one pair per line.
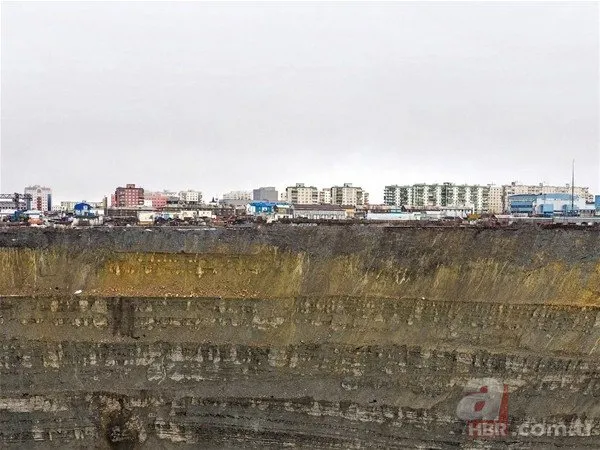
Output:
x,y
221,97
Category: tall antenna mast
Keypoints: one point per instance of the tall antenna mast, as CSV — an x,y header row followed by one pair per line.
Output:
x,y
573,188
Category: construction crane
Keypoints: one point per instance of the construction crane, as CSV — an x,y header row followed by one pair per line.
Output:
x,y
16,199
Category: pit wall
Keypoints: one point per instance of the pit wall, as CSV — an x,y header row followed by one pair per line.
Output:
x,y
324,372
320,337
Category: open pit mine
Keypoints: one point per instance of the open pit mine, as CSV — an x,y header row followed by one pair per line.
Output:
x,y
291,336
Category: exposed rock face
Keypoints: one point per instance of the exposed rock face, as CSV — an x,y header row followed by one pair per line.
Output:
x,y
318,337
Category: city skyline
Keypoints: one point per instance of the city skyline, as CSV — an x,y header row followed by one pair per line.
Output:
x,y
432,194
376,194
214,98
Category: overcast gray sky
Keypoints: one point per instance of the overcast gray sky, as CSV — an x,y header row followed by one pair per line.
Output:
x,y
219,97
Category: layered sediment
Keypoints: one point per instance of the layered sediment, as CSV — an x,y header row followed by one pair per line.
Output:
x,y
319,337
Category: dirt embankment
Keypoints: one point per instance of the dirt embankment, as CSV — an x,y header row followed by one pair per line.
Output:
x,y
512,267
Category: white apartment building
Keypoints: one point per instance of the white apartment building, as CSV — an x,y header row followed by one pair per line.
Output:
x,y
438,195
496,199
325,196
238,195
190,196
348,195
41,197
302,195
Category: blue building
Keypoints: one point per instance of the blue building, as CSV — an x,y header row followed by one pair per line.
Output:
x,y
521,203
83,210
555,204
275,210
597,203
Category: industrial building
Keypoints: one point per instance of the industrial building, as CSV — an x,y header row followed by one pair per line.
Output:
x,y
541,188
551,204
9,203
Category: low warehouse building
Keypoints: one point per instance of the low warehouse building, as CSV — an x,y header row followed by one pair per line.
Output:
x,y
319,212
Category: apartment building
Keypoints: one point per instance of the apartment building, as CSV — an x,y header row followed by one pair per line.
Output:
x,y
302,195
190,197
325,196
496,199
128,196
41,197
438,195
349,195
